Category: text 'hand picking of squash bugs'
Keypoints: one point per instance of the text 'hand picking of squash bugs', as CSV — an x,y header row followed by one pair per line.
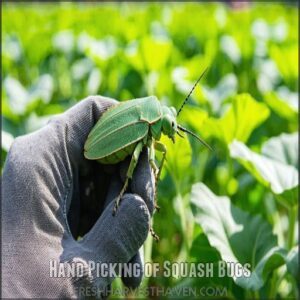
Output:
x,y
129,126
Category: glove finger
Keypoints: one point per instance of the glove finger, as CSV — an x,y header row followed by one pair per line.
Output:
x,y
136,263
116,239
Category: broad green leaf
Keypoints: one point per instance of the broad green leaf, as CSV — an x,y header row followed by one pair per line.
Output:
x,y
134,57
238,236
292,262
6,140
288,66
202,251
102,50
19,99
156,52
282,107
280,177
63,41
195,66
17,95
272,259
283,148
193,116
230,47
242,117
225,88
203,254
42,89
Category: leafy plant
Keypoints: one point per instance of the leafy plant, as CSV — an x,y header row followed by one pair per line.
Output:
x,y
237,203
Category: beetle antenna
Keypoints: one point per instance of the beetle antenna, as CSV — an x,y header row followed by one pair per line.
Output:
x,y
194,135
179,134
188,96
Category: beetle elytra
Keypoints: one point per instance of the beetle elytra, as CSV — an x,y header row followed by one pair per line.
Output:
x,y
128,127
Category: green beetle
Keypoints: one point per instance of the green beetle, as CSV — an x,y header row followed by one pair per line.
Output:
x,y
126,128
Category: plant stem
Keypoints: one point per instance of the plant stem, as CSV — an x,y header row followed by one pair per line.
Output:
x,y
184,247
273,212
182,214
230,171
273,286
147,258
292,223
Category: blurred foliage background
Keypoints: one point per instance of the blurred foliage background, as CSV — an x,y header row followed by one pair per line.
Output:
x,y
237,203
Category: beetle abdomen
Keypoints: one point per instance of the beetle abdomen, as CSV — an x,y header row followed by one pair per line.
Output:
x,y
117,140
118,156
121,126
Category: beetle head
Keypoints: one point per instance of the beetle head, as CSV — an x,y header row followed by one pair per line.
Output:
x,y
169,124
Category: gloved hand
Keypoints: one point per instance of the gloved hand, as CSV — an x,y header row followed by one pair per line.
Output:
x,y
52,195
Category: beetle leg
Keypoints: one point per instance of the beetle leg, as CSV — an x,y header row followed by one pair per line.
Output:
x,y
155,236
152,159
118,200
155,171
155,145
163,149
134,159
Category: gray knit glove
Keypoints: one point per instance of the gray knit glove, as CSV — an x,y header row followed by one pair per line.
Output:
x,y
52,195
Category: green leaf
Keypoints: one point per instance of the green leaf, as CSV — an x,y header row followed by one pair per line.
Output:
x,y
151,54
292,262
134,57
283,148
193,116
156,52
202,251
179,156
17,95
242,117
280,177
238,236
282,107
288,67
225,88
6,140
